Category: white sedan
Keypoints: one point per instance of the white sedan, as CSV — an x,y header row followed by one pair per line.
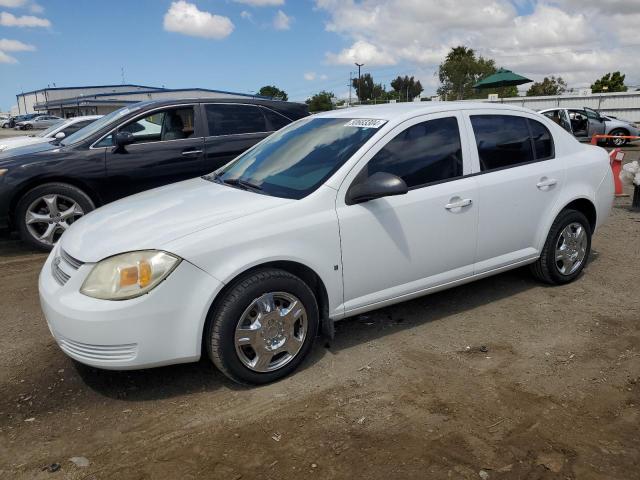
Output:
x,y
337,214
60,130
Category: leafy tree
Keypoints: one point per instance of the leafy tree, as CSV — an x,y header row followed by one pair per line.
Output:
x,y
549,86
611,82
460,71
406,88
367,89
273,92
321,101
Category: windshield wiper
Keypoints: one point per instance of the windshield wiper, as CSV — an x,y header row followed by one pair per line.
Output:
x,y
234,182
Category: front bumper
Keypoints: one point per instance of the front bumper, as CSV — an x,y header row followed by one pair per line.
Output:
x,y
159,328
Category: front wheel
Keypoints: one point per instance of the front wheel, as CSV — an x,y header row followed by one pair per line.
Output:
x,y
566,250
45,212
263,327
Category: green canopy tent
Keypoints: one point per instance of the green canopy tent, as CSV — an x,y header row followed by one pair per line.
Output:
x,y
502,78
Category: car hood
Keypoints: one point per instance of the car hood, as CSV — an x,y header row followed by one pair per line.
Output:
x,y
151,219
29,153
13,142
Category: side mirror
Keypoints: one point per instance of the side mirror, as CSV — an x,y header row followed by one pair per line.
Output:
x,y
59,135
378,185
122,139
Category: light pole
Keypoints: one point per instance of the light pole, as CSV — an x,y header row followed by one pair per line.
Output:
x,y
359,80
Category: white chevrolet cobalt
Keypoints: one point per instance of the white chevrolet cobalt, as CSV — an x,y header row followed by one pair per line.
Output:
x,y
336,214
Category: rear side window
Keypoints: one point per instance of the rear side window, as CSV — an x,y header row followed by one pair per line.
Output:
x,y
74,127
231,119
503,141
276,120
424,153
542,140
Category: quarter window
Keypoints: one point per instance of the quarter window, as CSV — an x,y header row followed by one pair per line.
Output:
x,y
542,140
233,119
424,153
503,141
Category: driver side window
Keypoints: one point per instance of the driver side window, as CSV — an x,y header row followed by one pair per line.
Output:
x,y
424,153
158,126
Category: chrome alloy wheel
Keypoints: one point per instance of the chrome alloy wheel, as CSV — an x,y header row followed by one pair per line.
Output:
x,y
50,215
271,331
571,248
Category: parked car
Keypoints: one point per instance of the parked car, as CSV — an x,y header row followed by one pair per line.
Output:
x,y
11,121
56,132
130,150
584,122
38,122
335,215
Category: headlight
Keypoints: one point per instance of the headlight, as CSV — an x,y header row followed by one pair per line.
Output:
x,y
128,275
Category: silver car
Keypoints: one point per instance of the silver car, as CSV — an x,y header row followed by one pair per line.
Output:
x,y
584,123
39,122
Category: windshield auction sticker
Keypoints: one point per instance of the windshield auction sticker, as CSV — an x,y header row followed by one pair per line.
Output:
x,y
365,123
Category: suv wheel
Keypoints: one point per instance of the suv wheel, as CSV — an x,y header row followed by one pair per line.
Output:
x,y
566,250
263,327
45,212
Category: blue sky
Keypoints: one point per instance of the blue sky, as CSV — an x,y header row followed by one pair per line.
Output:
x,y
302,46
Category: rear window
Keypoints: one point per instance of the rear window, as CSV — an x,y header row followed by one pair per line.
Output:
x,y
275,120
233,119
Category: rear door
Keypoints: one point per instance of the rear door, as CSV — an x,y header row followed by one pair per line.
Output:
x,y
518,183
596,123
232,129
169,148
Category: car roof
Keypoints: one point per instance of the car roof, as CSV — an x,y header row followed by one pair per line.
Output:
x,y
401,111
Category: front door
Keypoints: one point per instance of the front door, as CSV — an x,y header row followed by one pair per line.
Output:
x,y
596,123
168,148
394,247
518,186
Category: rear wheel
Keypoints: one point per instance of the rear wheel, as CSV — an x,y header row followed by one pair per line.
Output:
x,y
263,327
45,212
28,126
618,142
566,250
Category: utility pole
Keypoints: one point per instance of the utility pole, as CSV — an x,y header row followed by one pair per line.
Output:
x,y
359,81
350,85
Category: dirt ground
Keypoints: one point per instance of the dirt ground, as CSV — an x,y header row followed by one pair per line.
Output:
x,y
501,379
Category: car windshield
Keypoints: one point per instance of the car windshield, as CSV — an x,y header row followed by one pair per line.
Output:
x,y
52,128
92,128
295,161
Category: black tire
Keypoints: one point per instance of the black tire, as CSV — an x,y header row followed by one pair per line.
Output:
x,y
223,319
621,141
28,126
63,189
546,268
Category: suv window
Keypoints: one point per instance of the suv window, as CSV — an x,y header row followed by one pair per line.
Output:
x,y
276,120
233,119
503,141
424,153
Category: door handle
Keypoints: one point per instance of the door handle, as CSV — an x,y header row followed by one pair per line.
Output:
x,y
545,183
458,204
187,153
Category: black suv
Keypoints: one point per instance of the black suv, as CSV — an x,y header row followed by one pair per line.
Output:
x,y
45,187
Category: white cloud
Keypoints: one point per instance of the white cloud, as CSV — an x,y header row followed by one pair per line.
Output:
x,y
13,3
282,21
9,20
246,15
183,17
261,3
4,58
309,76
362,52
7,45
323,77
577,39
36,8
